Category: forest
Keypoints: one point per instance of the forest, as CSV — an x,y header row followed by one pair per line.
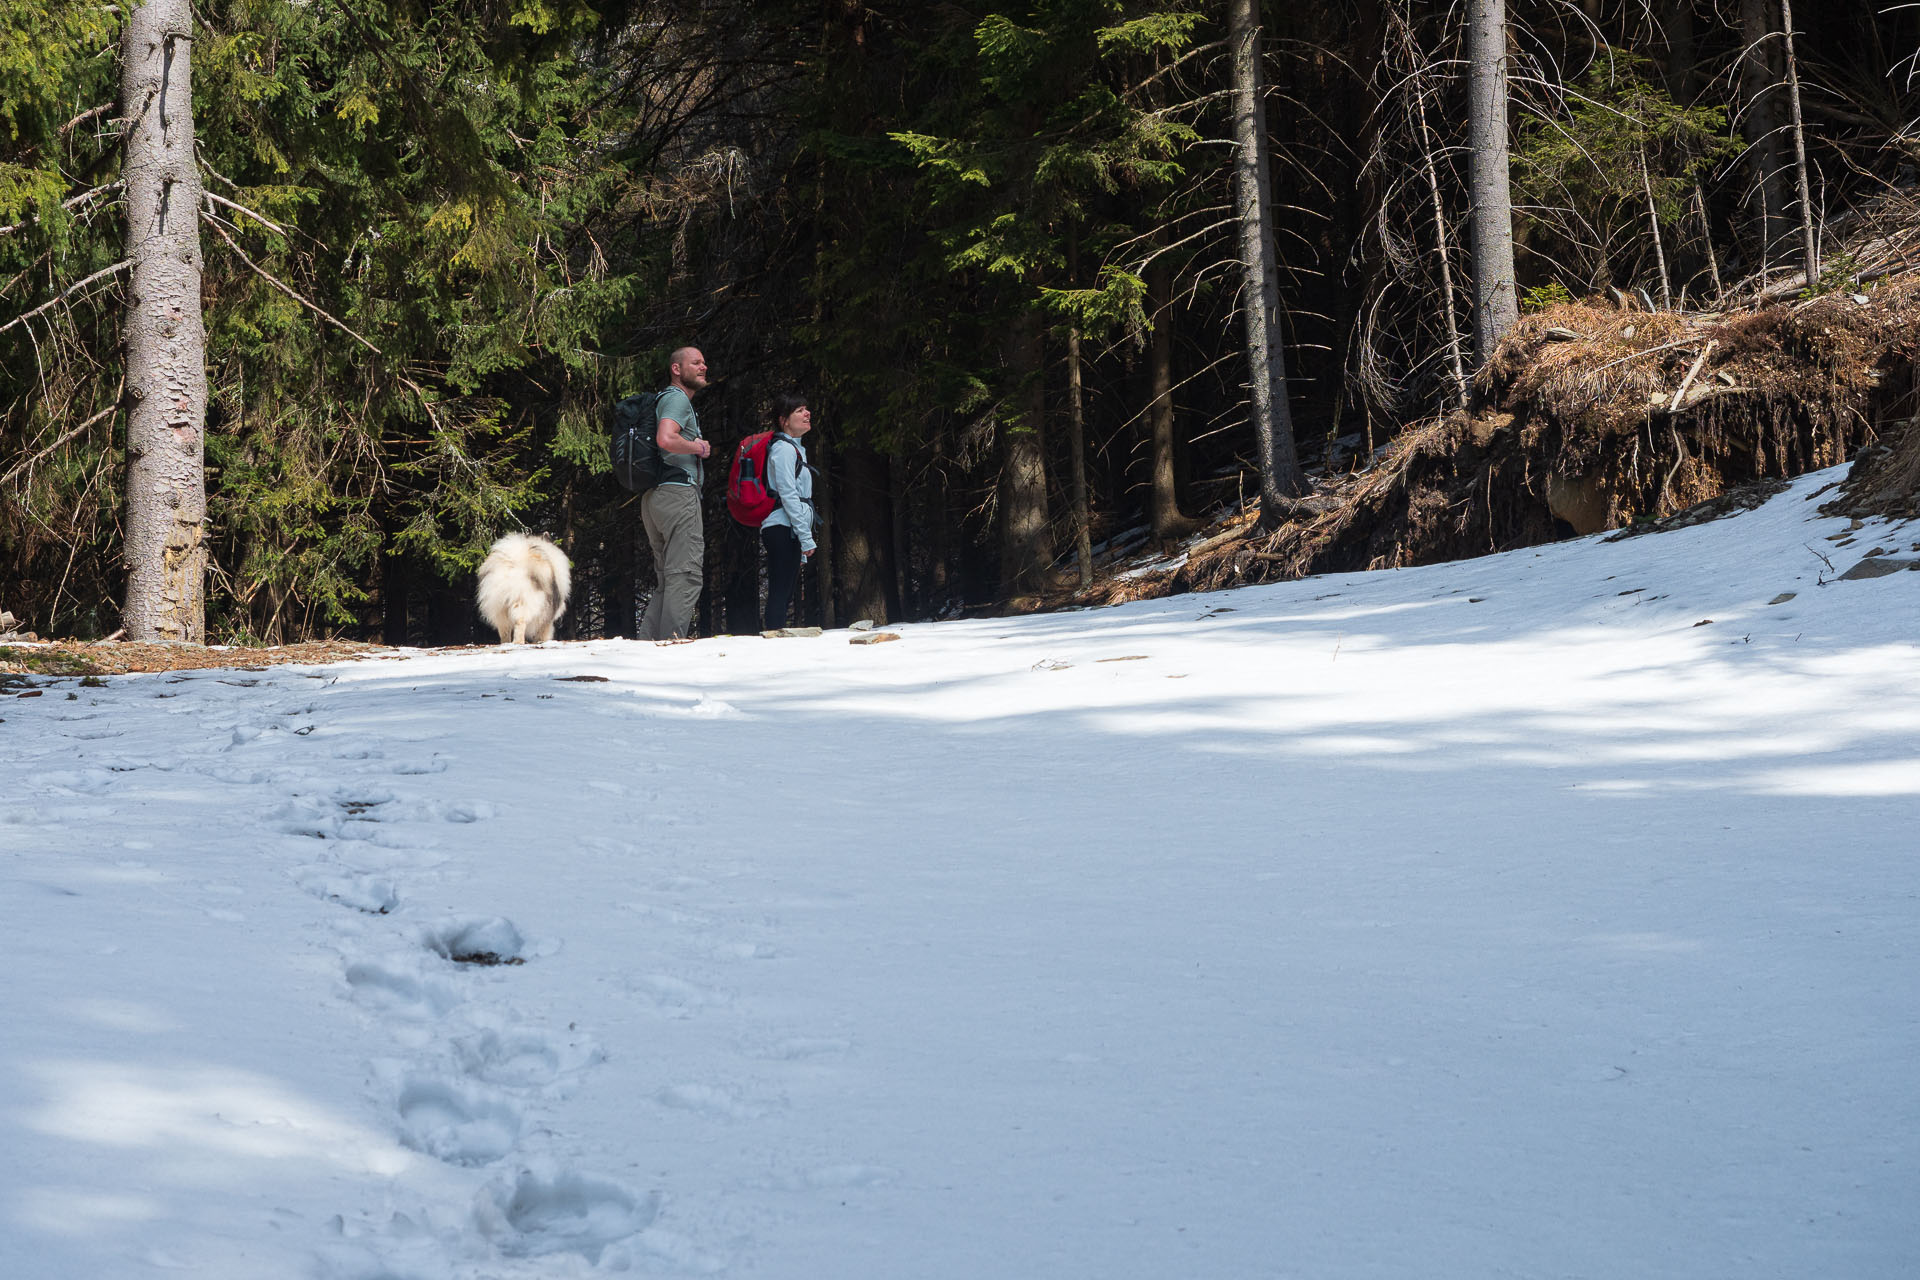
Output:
x,y
1355,283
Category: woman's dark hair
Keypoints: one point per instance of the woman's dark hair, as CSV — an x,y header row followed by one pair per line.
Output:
x,y
786,405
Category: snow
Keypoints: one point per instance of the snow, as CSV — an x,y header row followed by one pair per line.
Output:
x,y
1486,919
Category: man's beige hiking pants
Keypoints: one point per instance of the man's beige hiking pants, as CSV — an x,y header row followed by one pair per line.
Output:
x,y
671,515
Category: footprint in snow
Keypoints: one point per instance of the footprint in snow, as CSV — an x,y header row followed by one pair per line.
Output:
x,y
746,951
837,1177
524,1057
414,768
240,775
47,815
461,811
75,782
485,940
803,1048
359,801
303,817
456,1122
674,997
367,893
388,988
543,1211
709,1100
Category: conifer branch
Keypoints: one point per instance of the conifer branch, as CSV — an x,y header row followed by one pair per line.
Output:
x,y
68,203
74,434
287,289
273,227
320,311
51,303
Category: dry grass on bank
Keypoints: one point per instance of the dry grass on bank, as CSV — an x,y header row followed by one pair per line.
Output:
x,y
1591,417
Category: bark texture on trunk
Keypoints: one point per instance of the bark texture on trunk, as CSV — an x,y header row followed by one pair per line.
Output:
x,y
1280,477
824,476
1025,553
1496,301
1077,451
165,338
1168,522
1676,25
1077,433
865,566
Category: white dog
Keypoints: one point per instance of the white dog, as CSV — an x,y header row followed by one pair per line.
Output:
x,y
523,588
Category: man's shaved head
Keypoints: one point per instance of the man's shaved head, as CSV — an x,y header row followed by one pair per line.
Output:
x,y
687,367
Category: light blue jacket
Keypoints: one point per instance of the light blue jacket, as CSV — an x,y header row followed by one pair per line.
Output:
x,y
792,483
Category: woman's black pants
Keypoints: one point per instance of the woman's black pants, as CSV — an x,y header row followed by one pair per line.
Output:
x,y
783,571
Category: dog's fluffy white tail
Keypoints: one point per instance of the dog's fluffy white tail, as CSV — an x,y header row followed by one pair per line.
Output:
x,y
524,583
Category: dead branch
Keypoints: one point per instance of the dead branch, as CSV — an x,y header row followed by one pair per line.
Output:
x,y
51,303
74,434
68,203
243,209
287,289
1693,372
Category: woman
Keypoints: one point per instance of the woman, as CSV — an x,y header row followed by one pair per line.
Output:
x,y
788,532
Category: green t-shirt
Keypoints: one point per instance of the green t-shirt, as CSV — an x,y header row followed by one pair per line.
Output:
x,y
673,403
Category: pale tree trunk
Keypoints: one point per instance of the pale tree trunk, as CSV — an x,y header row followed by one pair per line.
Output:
x,y
1760,120
1496,302
164,334
1024,552
1653,225
1443,246
1809,240
1168,522
1280,478
1706,232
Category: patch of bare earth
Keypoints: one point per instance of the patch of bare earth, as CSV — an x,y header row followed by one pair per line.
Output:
x,y
115,658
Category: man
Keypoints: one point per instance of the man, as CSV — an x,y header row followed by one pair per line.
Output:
x,y
671,509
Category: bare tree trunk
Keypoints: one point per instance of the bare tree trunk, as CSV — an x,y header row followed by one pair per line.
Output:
x,y
1760,120
1676,26
1706,232
166,342
1496,302
1077,432
1809,239
1168,522
901,556
1443,246
1024,553
866,535
1280,477
1659,246
940,575
823,504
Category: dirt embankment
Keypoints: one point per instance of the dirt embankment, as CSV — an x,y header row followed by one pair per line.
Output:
x,y
1591,418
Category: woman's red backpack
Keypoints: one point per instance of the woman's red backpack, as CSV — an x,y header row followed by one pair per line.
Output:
x,y
750,496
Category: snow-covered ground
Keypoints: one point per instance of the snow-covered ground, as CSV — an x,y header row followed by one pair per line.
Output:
x,y
1500,918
